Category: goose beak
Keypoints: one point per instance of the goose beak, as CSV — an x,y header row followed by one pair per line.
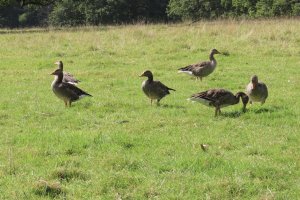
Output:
x,y
53,73
141,75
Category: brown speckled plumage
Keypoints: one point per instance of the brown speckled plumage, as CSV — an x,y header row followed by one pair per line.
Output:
x,y
202,69
66,91
257,91
154,90
220,98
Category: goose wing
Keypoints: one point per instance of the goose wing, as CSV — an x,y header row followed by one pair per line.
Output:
x,y
212,97
196,66
69,78
71,91
75,89
264,89
161,86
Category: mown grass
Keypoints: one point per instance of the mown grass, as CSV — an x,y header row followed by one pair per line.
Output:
x,y
116,146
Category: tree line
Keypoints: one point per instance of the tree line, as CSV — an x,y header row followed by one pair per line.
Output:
x,y
27,13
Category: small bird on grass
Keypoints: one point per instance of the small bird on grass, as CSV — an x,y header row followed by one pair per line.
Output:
x,y
219,98
154,90
65,91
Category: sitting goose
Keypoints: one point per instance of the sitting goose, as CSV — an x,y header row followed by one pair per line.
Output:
x,y
66,91
220,98
201,69
68,78
257,91
155,90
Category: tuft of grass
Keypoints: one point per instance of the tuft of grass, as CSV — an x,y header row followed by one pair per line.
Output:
x,y
45,188
69,174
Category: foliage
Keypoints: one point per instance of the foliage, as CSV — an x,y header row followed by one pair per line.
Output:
x,y
94,12
97,12
199,9
66,13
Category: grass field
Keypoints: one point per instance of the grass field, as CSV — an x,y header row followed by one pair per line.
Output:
x,y
115,145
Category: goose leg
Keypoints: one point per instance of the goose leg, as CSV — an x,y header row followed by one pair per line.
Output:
x,y
217,111
244,109
151,101
66,104
157,103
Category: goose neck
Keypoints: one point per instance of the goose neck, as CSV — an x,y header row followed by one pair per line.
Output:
x,y
150,79
211,57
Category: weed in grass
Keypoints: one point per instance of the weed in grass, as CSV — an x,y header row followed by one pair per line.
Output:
x,y
45,188
69,173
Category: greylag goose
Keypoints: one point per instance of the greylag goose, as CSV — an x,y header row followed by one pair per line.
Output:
x,y
68,78
257,91
66,91
201,69
220,98
155,90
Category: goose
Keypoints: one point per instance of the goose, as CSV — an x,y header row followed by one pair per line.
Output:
x,y
154,90
202,69
219,98
257,91
68,78
66,91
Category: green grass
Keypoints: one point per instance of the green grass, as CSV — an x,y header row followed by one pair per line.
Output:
x,y
116,145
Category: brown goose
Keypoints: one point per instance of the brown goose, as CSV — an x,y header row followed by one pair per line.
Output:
x,y
201,69
257,91
220,98
66,91
155,90
68,78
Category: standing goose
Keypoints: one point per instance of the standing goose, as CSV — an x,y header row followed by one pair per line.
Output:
x,y
201,69
220,98
68,78
66,91
257,91
155,90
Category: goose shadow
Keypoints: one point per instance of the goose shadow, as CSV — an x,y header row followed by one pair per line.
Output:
x,y
266,110
233,114
236,114
171,106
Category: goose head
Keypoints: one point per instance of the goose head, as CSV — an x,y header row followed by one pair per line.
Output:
x,y
148,74
254,80
59,64
57,72
215,51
